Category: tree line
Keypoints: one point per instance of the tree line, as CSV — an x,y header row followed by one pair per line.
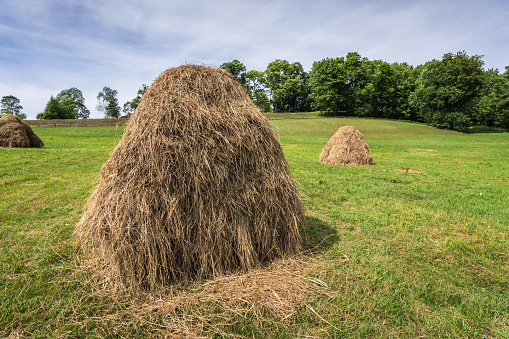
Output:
x,y
70,104
455,92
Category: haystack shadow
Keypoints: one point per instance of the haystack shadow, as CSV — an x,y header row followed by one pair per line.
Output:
x,y
318,236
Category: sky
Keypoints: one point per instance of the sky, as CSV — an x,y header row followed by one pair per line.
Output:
x,y
47,46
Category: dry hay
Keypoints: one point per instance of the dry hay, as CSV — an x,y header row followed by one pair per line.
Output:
x,y
197,187
408,170
14,132
280,293
346,147
220,303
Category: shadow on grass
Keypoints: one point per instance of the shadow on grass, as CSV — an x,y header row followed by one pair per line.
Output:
x,y
477,130
318,236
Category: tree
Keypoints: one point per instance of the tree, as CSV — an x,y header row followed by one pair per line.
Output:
x,y
130,106
287,84
11,105
53,110
404,85
378,94
237,69
447,91
328,85
73,104
108,103
255,85
336,84
493,106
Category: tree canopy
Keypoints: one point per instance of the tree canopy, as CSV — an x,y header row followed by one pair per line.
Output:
x,y
237,69
108,103
130,106
68,104
74,103
11,105
446,91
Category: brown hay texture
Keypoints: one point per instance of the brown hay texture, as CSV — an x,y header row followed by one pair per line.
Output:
x,y
408,170
346,147
14,132
197,187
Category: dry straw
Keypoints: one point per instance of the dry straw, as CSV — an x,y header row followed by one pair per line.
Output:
x,y
197,187
14,132
346,147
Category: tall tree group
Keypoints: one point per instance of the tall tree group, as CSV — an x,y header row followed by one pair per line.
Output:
x,y
68,104
454,92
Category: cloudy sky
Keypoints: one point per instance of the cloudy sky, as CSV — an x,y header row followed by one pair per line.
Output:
x,y
50,45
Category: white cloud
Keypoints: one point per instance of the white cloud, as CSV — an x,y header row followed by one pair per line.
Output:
x,y
47,46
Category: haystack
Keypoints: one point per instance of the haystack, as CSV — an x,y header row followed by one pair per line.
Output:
x,y
14,132
346,147
197,186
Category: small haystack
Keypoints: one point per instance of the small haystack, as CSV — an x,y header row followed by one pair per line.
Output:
x,y
14,132
346,147
197,187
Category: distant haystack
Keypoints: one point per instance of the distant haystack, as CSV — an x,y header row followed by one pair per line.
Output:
x,y
197,187
14,132
346,147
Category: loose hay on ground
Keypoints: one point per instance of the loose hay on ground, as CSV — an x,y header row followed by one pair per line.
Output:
x,y
346,147
200,309
197,187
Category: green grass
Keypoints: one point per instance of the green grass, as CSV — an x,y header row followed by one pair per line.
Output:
x,y
405,255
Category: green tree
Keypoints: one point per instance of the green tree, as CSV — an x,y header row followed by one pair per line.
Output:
x,y
493,106
287,84
296,90
11,105
108,103
73,104
447,91
255,85
378,94
356,80
237,69
404,85
53,110
328,86
130,106
336,85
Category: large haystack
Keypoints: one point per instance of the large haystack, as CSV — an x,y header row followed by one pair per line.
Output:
x,y
197,186
14,132
346,147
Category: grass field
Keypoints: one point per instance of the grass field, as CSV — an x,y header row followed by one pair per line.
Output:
x,y
391,254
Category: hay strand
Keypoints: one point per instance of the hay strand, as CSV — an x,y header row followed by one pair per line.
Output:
x,y
197,187
346,147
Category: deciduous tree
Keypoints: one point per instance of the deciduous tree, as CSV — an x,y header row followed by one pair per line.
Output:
x,y
108,103
493,107
11,105
130,106
255,81
446,91
328,86
73,104
287,85
237,69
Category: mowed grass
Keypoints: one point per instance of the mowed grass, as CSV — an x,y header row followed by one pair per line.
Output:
x,y
400,254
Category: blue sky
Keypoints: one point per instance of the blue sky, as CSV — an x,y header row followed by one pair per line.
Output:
x,y
50,45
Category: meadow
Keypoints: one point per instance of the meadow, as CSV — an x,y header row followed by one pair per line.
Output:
x,y
387,253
